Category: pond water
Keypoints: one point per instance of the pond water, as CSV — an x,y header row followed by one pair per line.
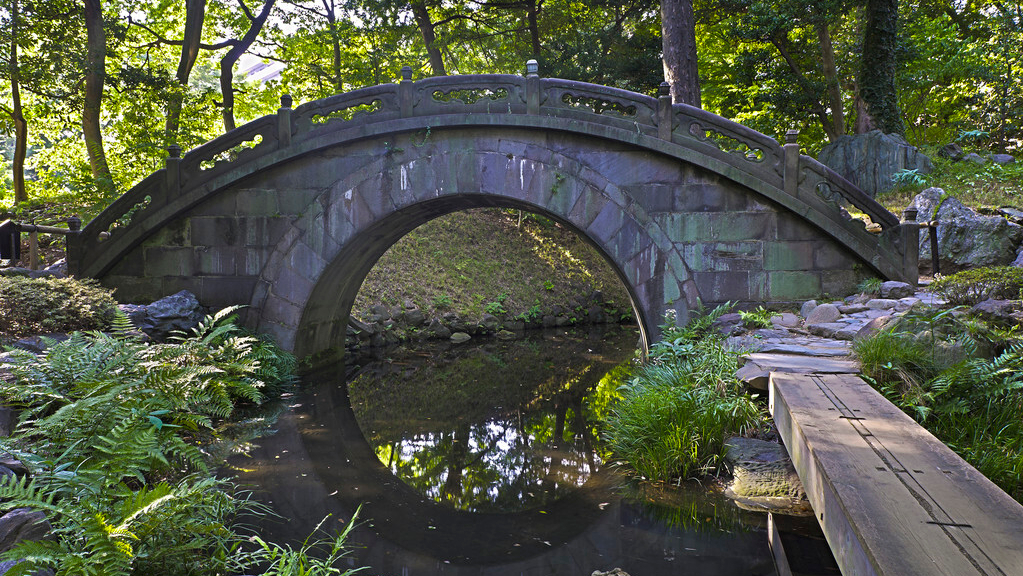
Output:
x,y
484,458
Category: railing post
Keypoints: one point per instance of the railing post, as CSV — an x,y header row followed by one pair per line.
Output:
x,y
791,162
664,116
173,170
910,230
73,245
33,250
532,87
284,122
405,92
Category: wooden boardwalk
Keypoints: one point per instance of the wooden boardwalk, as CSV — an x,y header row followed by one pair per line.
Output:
x,y
891,499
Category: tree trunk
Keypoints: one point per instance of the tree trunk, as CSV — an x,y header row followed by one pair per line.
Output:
x,y
195,14
231,58
95,74
831,79
17,114
533,17
877,68
422,16
678,46
329,11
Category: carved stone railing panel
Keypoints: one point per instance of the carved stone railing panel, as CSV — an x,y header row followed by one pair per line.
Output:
x,y
237,146
728,139
475,93
834,190
366,105
129,208
595,103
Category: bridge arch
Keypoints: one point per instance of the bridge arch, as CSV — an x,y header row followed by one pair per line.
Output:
x,y
289,212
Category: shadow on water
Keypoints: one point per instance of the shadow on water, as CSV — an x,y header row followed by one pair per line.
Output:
x,y
485,459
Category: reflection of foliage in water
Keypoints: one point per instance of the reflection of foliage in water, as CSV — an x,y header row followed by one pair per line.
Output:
x,y
497,427
690,507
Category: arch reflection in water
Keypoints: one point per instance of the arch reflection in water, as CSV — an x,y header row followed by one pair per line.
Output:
x,y
498,469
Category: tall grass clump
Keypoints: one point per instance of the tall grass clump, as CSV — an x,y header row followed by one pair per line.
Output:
x,y
675,414
963,381
122,439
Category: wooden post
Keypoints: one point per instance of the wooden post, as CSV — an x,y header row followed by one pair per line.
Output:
x,y
73,245
911,246
33,250
284,122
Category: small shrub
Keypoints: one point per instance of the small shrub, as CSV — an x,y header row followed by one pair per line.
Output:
x,y
972,286
442,302
759,318
870,286
41,305
673,417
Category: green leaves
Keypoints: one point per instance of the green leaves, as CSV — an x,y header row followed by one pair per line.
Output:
x,y
121,437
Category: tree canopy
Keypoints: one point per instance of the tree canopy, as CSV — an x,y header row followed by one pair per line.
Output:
x,y
94,92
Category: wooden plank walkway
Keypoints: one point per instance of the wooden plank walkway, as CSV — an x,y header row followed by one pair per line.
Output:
x,y
891,499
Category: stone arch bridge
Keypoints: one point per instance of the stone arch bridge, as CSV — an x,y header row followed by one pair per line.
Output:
x,y
288,213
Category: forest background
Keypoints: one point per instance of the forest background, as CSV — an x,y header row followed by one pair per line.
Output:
x,y
93,93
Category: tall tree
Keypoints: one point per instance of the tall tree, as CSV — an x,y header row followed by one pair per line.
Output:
x,y
195,16
876,79
427,30
239,47
16,111
678,41
95,75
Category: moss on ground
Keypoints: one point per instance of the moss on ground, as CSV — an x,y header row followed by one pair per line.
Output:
x,y
484,260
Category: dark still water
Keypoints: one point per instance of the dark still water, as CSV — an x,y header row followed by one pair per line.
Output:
x,y
484,458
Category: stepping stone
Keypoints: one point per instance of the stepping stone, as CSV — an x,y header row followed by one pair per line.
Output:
x,y
798,364
827,330
816,351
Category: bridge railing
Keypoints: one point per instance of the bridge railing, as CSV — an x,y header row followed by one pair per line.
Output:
x,y
619,113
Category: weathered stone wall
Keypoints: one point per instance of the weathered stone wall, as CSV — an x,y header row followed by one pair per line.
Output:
x,y
296,241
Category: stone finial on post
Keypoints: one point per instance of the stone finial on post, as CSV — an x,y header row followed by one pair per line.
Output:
x,y
284,122
532,87
791,149
173,169
664,112
405,92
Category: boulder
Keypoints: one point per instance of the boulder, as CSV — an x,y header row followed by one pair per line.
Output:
x,y
953,152
807,307
823,314
975,158
872,327
966,239
870,160
438,330
490,323
460,337
58,268
754,376
999,311
1014,215
1002,158
785,320
763,476
1018,262
896,290
21,524
177,312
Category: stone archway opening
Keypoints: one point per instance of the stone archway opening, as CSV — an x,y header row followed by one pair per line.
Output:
x,y
457,263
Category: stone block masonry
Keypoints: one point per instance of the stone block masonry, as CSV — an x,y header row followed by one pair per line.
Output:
x,y
292,226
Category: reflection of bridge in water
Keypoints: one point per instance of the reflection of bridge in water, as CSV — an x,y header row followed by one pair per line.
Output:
x,y
321,462
289,212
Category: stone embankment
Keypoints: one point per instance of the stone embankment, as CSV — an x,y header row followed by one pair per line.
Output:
x,y
818,340
815,341
385,325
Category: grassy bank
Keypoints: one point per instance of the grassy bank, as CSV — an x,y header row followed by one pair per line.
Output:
x,y
488,260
